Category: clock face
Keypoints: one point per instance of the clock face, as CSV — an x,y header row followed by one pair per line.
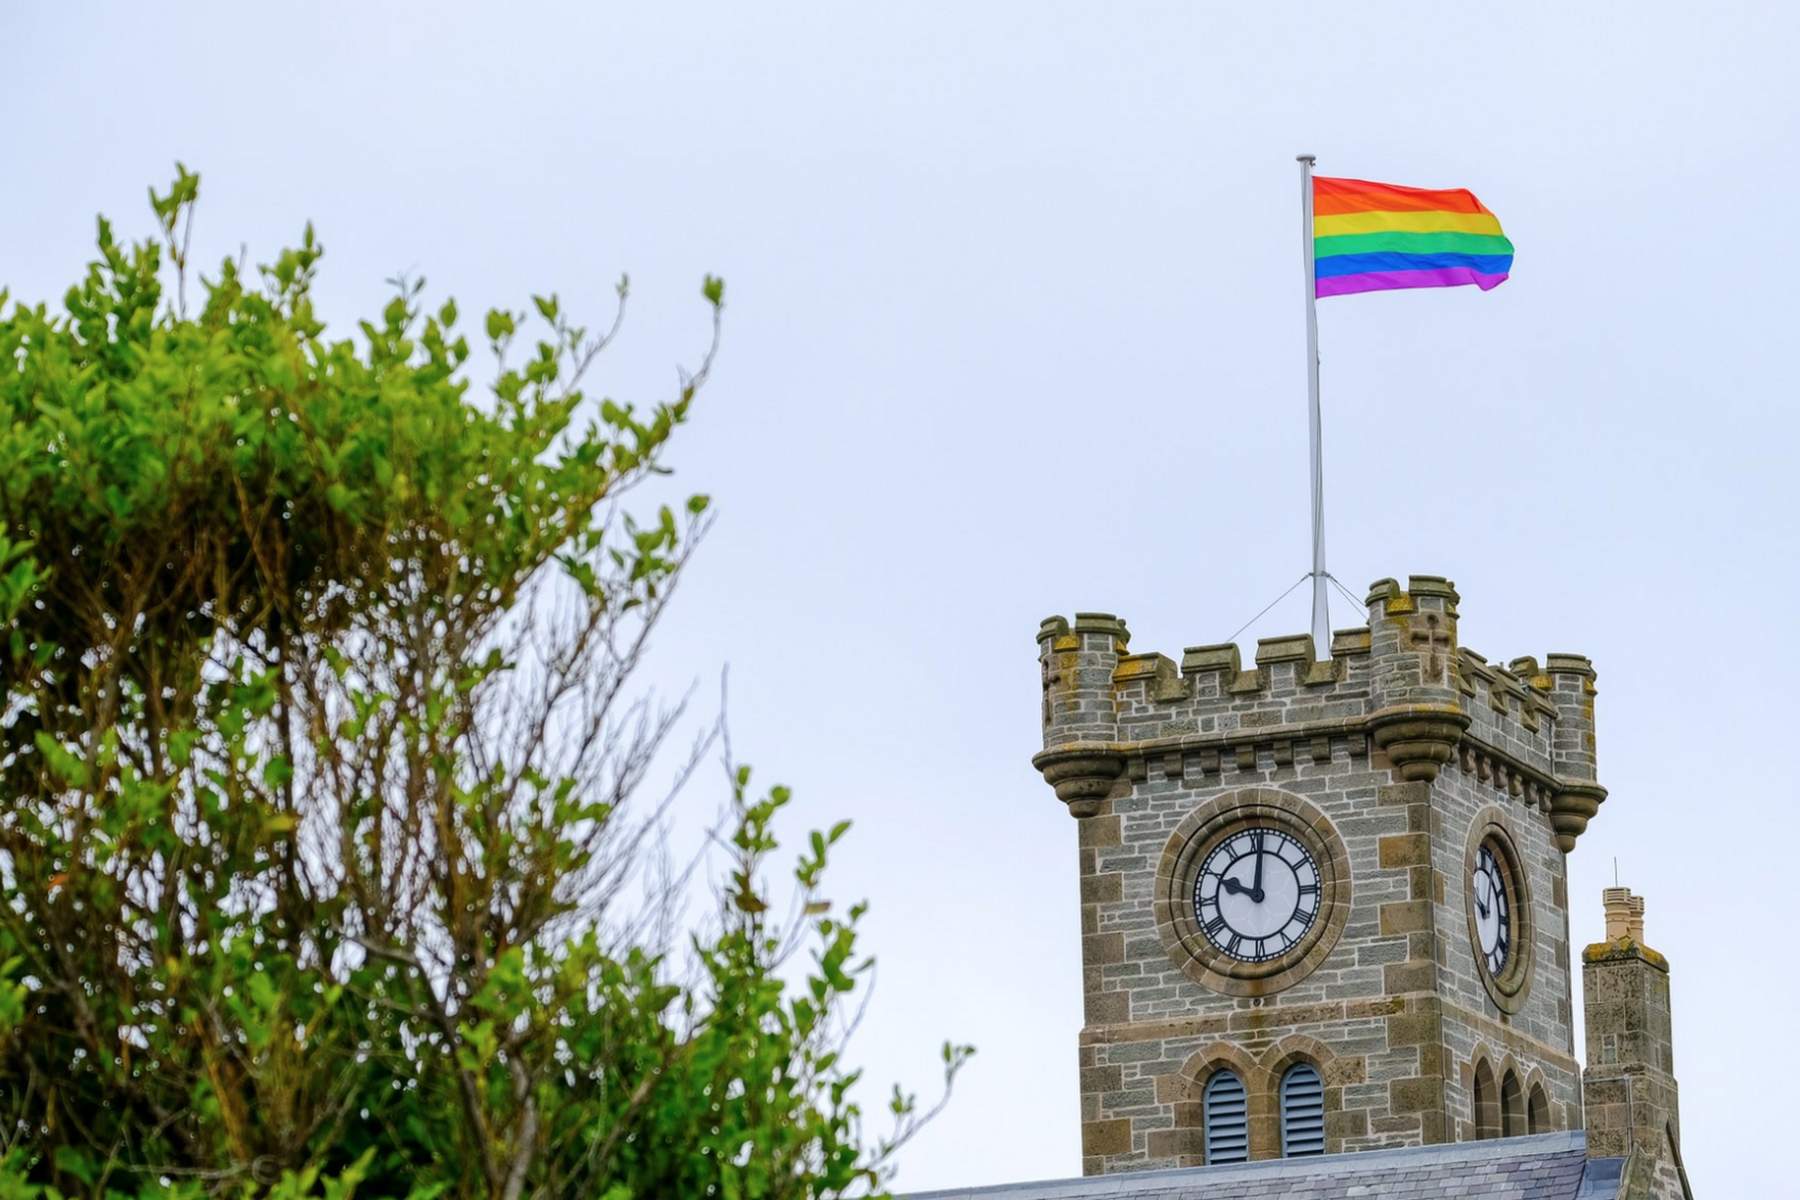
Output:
x,y
1493,911
1257,894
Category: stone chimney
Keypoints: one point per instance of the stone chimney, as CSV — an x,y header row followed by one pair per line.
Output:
x,y
1629,1090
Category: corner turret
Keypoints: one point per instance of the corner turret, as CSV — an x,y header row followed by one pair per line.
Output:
x,y
1081,719
1420,720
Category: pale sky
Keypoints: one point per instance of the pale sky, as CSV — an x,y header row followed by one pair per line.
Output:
x,y
1014,328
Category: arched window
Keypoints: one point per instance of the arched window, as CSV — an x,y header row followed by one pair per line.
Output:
x,y
1302,1111
1487,1101
1538,1116
1227,1129
1512,1106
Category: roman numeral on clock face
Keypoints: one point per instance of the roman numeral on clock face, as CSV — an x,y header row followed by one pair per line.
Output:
x,y
1491,916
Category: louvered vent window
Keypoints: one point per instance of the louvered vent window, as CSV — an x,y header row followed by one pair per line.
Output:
x,y
1302,1111
1227,1131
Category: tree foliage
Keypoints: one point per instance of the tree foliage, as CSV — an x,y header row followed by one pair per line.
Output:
x,y
319,866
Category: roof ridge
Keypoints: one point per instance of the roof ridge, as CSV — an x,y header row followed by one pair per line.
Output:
x,y
1342,1166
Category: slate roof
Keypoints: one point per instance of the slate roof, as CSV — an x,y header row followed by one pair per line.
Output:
x,y
1545,1166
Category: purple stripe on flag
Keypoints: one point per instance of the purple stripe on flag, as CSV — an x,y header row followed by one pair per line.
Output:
x,y
1381,281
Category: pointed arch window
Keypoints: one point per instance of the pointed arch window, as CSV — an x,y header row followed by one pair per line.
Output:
x,y
1487,1101
1224,1112
1302,1111
1537,1117
1512,1106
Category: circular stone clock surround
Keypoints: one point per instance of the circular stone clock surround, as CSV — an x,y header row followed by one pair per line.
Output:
x,y
1204,829
1509,989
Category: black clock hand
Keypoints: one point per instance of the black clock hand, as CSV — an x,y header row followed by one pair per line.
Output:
x,y
1481,908
1237,889
1256,884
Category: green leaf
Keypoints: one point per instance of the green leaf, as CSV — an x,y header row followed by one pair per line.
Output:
x,y
77,1161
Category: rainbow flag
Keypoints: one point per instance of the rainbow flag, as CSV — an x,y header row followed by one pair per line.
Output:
x,y
1373,237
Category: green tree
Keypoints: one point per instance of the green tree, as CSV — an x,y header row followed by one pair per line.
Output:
x,y
319,866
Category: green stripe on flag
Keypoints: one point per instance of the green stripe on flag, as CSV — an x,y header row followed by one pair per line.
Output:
x,y
1411,243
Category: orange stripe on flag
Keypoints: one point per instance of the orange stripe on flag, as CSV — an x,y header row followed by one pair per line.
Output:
x,y
1334,197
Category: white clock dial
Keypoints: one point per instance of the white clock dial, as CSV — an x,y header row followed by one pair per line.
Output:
x,y
1493,911
1257,894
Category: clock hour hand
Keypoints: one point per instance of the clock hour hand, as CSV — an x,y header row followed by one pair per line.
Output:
x,y
1237,889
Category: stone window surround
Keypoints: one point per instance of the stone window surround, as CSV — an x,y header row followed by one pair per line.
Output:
x,y
1533,1115
1261,1076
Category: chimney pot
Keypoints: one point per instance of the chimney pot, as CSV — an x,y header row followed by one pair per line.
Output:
x,y
1617,901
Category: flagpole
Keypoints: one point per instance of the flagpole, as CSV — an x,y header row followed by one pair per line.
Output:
x,y
1321,615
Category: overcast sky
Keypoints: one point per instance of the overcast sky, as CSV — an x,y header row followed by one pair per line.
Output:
x,y
1015,328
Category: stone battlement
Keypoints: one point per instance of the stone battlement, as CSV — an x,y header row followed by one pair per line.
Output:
x,y
1400,689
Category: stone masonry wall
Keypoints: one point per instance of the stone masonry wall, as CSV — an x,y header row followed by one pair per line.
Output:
x,y
1537,1041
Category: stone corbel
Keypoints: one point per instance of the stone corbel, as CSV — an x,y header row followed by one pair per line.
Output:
x,y
1573,806
1419,739
1083,776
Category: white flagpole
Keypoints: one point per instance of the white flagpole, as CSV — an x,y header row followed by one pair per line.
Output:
x,y
1321,616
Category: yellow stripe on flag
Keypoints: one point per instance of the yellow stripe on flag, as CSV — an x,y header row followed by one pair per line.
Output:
x,y
1405,222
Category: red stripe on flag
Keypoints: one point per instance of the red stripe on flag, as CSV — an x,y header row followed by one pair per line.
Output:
x,y
1333,197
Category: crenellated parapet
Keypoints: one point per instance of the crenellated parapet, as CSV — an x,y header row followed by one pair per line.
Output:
x,y
1400,689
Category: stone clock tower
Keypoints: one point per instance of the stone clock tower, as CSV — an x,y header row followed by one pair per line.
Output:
x,y
1323,900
